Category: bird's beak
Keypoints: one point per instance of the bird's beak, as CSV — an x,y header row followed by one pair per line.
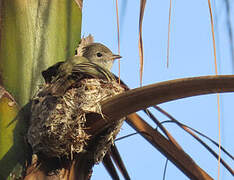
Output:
x,y
115,56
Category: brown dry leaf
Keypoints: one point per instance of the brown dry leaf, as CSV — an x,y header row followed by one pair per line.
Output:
x,y
118,36
191,132
108,164
119,162
216,72
79,3
141,52
127,103
172,152
4,92
168,35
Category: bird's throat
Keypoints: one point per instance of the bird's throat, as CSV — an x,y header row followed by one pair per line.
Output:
x,y
106,64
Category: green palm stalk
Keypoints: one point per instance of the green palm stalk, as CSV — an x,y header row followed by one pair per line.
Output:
x,y
34,35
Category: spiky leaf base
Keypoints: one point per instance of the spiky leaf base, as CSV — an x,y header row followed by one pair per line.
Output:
x,y
58,124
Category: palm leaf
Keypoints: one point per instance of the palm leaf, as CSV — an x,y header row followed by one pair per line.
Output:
x,y
34,35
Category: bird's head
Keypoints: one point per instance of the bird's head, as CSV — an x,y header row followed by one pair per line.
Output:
x,y
99,54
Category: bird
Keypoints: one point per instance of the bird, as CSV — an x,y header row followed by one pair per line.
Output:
x,y
61,108
94,60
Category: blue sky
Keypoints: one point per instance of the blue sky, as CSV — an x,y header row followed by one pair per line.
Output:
x,y
191,54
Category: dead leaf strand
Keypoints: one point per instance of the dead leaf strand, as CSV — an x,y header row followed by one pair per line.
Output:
x,y
140,44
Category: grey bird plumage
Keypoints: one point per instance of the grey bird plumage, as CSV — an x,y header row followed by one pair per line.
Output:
x,y
61,108
96,61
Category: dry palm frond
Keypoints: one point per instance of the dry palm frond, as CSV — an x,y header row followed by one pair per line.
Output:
x,y
108,164
140,43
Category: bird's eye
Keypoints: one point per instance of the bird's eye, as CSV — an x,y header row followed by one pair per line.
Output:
x,y
99,54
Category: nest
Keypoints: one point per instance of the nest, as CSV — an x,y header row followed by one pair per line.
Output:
x,y
57,125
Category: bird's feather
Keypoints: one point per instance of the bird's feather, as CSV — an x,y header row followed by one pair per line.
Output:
x,y
51,72
93,70
83,43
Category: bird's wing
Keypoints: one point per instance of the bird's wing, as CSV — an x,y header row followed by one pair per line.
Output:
x,y
59,82
93,70
51,72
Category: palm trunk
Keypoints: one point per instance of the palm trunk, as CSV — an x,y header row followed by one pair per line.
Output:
x,y
33,36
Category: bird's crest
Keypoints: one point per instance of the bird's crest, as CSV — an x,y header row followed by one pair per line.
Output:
x,y
84,42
